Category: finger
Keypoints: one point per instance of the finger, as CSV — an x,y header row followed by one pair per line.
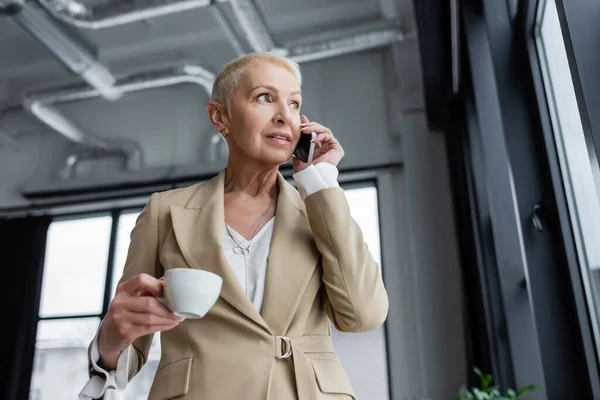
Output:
x,y
310,125
148,304
156,328
142,284
304,120
136,331
299,164
148,319
325,138
315,127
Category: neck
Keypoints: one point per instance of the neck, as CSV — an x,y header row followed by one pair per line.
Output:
x,y
251,179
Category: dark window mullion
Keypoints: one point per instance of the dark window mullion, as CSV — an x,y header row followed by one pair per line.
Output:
x,y
116,214
59,317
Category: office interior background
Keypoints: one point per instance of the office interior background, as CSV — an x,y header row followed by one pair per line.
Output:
x,y
471,130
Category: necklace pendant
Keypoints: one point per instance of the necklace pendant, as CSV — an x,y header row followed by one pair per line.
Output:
x,y
241,251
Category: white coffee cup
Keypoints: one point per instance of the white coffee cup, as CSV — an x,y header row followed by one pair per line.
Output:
x,y
191,293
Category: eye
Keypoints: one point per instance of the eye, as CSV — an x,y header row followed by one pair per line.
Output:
x,y
263,97
295,105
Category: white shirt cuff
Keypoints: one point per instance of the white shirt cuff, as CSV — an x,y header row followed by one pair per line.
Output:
x,y
316,177
117,379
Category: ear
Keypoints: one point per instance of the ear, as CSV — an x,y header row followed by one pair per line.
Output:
x,y
217,115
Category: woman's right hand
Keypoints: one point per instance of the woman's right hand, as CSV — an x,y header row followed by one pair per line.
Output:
x,y
135,311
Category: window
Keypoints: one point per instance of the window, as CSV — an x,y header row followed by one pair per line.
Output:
x,y
574,158
72,301
61,356
76,257
72,292
364,355
126,224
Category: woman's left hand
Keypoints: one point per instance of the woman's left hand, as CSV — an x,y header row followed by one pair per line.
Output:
x,y
327,148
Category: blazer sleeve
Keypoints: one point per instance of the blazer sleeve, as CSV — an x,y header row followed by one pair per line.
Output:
x,y
142,257
356,299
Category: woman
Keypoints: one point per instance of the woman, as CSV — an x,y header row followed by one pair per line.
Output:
x,y
291,261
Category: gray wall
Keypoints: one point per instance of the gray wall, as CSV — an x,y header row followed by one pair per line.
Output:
x,y
433,257
352,95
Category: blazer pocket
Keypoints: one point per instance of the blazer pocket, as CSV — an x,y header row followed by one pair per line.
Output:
x,y
172,380
331,377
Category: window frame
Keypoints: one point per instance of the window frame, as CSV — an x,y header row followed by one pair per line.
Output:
x,y
532,11
542,322
583,308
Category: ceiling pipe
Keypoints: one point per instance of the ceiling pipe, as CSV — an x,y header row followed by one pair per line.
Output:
x,y
68,46
336,43
41,105
115,12
108,14
229,31
251,22
248,19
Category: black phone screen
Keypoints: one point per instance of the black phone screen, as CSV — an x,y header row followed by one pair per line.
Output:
x,y
302,149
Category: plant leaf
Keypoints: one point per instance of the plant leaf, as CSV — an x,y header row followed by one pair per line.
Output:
x,y
478,372
464,394
526,389
481,395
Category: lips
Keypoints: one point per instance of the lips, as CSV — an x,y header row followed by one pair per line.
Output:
x,y
281,136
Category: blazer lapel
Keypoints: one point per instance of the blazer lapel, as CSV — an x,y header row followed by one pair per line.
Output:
x,y
292,259
198,227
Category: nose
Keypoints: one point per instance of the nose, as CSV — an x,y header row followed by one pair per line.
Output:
x,y
283,116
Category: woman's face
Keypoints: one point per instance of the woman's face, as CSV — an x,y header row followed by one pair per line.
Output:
x,y
264,114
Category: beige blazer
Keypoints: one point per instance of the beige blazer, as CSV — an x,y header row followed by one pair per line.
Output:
x,y
319,269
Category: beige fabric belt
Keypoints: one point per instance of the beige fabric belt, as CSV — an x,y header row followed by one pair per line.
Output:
x,y
297,348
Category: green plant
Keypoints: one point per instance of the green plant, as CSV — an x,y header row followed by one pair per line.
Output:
x,y
487,391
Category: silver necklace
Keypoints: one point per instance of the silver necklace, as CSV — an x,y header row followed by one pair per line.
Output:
x,y
238,248
244,251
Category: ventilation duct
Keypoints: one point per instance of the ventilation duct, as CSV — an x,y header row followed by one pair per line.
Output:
x,y
336,43
68,46
229,31
251,22
42,105
247,18
109,13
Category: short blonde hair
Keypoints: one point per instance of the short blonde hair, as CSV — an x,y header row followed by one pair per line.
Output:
x,y
229,76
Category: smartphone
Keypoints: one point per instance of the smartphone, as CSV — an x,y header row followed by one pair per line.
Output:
x,y
305,148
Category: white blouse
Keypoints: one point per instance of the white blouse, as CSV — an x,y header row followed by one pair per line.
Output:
x,y
252,271
251,274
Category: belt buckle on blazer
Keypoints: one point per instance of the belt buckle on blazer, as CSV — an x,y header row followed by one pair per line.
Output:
x,y
286,347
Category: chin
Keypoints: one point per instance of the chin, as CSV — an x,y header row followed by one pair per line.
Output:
x,y
276,159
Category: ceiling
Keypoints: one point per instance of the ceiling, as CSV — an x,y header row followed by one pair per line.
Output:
x,y
192,35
